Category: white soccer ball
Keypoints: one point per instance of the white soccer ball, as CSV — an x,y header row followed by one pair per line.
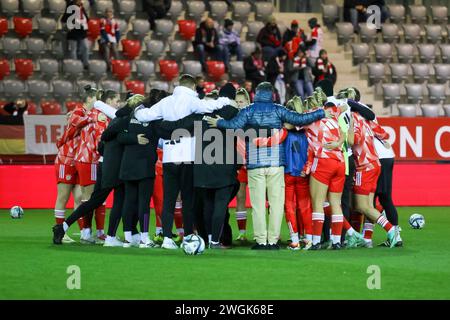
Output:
x,y
417,221
16,212
193,244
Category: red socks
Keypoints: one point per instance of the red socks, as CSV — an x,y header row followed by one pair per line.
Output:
x,y
241,218
100,217
59,216
356,220
178,216
383,221
368,230
317,224
337,220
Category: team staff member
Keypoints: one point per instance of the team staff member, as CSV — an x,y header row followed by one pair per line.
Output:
x,y
178,155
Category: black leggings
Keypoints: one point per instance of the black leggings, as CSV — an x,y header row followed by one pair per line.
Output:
x,y
137,192
384,190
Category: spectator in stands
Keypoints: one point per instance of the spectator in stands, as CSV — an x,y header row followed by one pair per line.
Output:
x,y
207,40
230,42
355,11
293,39
275,74
77,32
156,9
324,69
16,108
248,86
200,86
314,42
110,37
254,67
269,37
298,74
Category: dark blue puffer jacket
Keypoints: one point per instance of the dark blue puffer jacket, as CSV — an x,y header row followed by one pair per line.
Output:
x,y
264,114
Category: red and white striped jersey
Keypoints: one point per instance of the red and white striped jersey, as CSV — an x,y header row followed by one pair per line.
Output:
x,y
363,146
67,146
90,137
321,132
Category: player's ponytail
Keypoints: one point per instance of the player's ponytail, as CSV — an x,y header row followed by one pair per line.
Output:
x,y
135,101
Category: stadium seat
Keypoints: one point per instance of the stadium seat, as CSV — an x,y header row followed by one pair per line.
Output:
x,y
168,69
9,7
411,33
13,88
241,10
209,86
376,73
405,52
216,69
121,69
447,109
178,49
4,68
131,48
427,53
49,68
436,92
397,13
46,26
56,7
360,53
431,110
71,105
390,32
163,28
175,10
123,26
421,72
399,72
237,70
263,10
57,48
135,86
72,68
154,48
101,6
140,28
442,72
23,68
367,34
144,69
127,8
38,88
418,14
433,33
161,85
383,52
51,108
187,29
414,92
10,46
253,28
345,32
97,68
192,67
82,83
35,46
445,53
110,85
94,26
330,15
62,89
248,47
32,108
391,93
3,26
237,27
32,7
195,10
218,10
439,14
23,26
407,110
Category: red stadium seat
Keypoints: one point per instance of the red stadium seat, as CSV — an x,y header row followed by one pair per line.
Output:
x,y
216,69
209,86
135,86
121,69
235,85
131,48
168,69
24,68
32,108
187,29
93,29
50,108
23,26
3,26
4,68
71,105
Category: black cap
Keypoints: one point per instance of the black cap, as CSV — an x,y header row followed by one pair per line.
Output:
x,y
228,90
228,22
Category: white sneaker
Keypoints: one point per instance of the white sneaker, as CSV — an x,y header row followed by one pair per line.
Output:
x,y
112,242
67,239
368,244
88,240
135,241
168,243
147,244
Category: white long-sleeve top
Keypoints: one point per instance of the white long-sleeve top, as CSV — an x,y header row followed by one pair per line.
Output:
x,y
109,111
181,103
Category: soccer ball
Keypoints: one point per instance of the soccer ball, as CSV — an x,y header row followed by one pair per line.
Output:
x,y
193,244
16,212
417,221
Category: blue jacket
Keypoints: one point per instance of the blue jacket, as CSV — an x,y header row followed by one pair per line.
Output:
x,y
261,115
296,148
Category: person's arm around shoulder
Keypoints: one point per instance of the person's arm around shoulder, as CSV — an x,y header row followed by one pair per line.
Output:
x,y
238,122
144,114
301,119
109,111
208,106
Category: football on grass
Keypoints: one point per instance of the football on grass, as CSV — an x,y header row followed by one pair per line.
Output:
x,y
16,212
417,221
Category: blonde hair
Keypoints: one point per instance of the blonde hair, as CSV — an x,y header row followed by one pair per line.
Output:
x,y
135,100
243,92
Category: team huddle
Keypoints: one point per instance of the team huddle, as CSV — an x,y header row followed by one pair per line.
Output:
x,y
323,164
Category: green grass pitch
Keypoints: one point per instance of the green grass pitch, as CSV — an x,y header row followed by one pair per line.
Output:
x,y
33,268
